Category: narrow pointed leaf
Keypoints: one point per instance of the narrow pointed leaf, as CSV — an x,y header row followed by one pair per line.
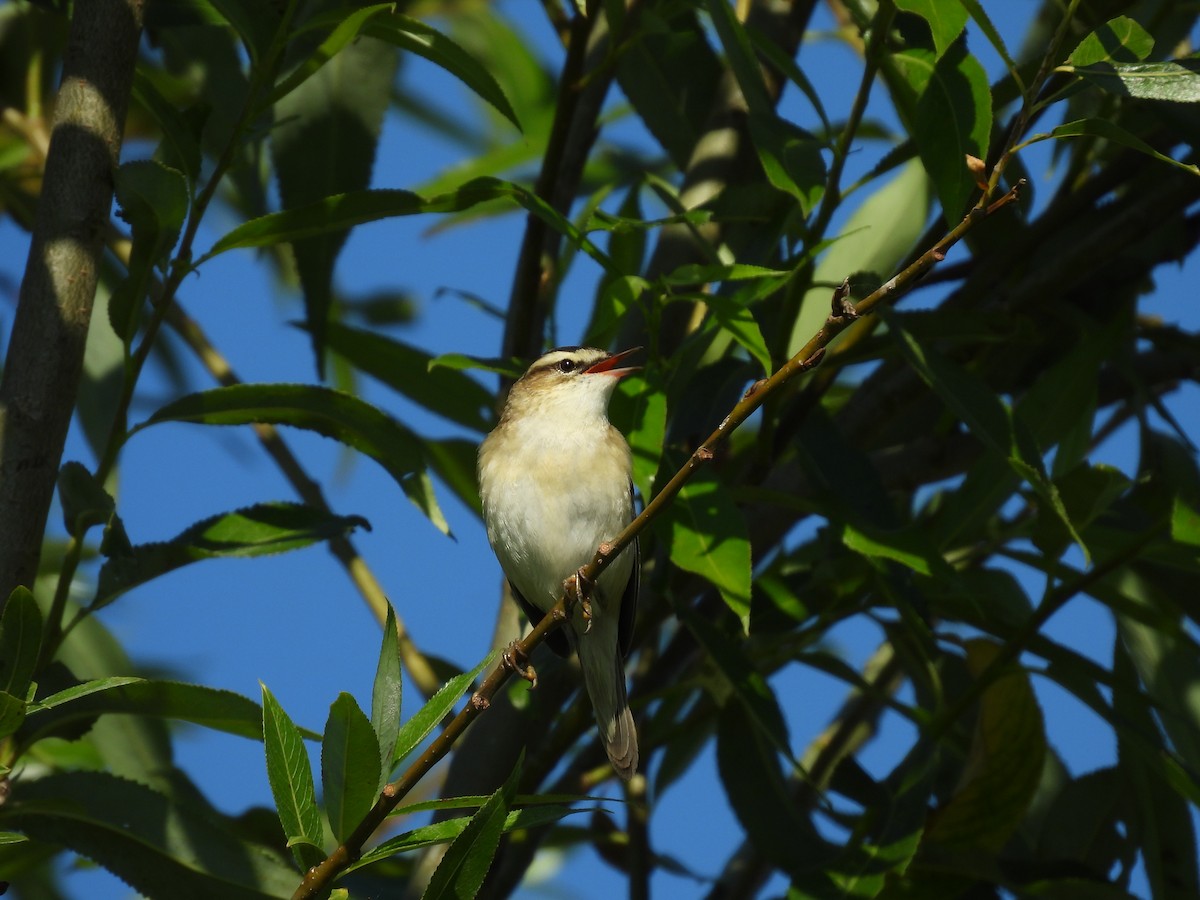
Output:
x,y
20,642
290,775
466,861
160,848
406,369
219,710
350,766
386,695
423,40
447,830
333,414
260,530
424,720
1110,131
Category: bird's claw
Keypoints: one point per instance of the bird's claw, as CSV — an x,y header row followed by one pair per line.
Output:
x,y
515,660
579,587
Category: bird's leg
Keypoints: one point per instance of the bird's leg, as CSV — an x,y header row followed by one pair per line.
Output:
x,y
579,587
516,660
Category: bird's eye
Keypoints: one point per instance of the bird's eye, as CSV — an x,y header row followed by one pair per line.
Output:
x,y
566,366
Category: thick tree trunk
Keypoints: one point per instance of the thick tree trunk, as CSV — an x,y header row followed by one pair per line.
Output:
x,y
45,352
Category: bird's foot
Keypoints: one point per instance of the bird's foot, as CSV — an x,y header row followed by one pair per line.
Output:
x,y
516,660
579,587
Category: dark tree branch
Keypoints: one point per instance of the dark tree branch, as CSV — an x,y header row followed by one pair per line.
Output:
x,y
45,353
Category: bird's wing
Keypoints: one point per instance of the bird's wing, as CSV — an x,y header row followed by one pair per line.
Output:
x,y
557,639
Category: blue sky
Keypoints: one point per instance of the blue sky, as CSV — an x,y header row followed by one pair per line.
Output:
x,y
295,623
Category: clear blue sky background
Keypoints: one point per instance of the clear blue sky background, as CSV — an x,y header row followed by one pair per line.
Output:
x,y
296,624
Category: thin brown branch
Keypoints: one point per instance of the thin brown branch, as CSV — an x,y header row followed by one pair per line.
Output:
x,y
842,314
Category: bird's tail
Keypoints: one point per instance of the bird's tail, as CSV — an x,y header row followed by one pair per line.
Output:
x,y
604,678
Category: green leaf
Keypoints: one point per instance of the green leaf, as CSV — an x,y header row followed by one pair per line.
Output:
x,y
84,500
1185,526
741,679
1167,660
908,546
219,710
1109,131
154,201
12,713
447,830
350,766
953,120
946,18
1003,766
407,370
436,708
980,16
181,147
989,419
1120,40
878,234
386,695
254,22
324,144
159,848
737,319
260,530
739,53
341,211
669,73
334,213
791,159
639,411
1175,81
466,861
334,414
709,538
346,30
419,38
453,461
290,775
20,642
1163,824
761,797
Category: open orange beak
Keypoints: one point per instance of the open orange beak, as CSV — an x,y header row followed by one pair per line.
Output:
x,y
608,366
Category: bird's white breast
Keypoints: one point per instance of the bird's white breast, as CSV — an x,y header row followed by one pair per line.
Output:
x,y
551,497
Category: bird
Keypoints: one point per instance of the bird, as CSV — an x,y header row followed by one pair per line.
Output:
x,y
555,479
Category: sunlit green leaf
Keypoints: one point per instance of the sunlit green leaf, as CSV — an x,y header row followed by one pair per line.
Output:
x,y
1175,81
260,530
709,538
466,861
350,766
386,695
1110,131
1119,40
424,720
290,775
946,19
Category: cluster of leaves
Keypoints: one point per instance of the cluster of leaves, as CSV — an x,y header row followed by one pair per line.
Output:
x,y
964,454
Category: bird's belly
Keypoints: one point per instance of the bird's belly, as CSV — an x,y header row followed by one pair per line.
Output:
x,y
545,524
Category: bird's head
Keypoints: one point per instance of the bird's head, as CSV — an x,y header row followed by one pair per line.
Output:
x,y
569,381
